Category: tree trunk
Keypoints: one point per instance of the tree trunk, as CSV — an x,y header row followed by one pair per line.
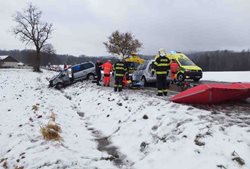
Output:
x,y
37,61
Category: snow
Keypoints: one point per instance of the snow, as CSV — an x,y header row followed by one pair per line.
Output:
x,y
144,131
2,57
230,76
20,90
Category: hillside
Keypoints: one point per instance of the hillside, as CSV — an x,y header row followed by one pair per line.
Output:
x,y
102,129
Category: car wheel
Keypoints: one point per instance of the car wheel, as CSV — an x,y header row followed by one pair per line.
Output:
x,y
59,86
180,77
144,81
196,79
91,77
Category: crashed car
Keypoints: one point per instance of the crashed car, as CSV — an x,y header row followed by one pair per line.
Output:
x,y
73,74
144,73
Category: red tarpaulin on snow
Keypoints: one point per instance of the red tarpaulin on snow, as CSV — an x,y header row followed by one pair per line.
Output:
x,y
213,93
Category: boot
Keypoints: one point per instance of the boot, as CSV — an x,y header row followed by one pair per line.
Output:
x,y
115,89
159,94
165,93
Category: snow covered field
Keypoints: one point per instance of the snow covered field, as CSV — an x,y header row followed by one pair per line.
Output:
x,y
102,129
236,76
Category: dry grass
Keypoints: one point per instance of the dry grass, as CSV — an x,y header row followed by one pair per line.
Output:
x,y
19,167
5,165
53,117
52,130
55,127
35,107
237,158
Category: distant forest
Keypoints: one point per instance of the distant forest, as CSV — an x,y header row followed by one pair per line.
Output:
x,y
222,60
209,61
27,57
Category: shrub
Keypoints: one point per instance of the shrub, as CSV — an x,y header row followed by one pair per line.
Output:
x,y
52,130
35,107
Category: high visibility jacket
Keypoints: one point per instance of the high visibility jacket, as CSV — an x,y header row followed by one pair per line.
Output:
x,y
174,67
161,65
120,69
107,68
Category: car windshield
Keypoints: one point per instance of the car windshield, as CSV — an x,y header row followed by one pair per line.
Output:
x,y
186,62
132,65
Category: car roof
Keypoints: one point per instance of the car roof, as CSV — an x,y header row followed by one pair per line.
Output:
x,y
83,63
80,64
176,55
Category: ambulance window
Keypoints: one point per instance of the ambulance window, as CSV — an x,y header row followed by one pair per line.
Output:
x,y
186,62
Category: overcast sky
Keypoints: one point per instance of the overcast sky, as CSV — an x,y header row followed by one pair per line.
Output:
x,y
81,26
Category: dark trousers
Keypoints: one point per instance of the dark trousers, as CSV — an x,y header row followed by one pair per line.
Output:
x,y
162,84
98,78
118,83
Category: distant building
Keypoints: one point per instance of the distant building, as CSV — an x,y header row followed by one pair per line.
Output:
x,y
7,61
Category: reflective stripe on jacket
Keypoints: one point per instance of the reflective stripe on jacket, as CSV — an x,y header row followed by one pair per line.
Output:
x,y
119,69
161,65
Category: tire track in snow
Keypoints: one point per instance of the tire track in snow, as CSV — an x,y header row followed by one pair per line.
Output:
x,y
104,144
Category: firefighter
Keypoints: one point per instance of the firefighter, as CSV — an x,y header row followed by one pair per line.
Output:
x,y
107,68
120,70
174,68
161,67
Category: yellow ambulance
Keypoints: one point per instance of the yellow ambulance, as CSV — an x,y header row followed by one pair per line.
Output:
x,y
188,70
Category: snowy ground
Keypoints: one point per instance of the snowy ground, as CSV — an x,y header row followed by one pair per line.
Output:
x,y
236,76
102,129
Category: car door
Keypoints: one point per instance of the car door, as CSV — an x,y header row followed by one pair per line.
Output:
x,y
87,69
77,71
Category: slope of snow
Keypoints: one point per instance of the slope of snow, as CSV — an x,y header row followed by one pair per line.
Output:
x,y
168,137
230,76
143,131
21,142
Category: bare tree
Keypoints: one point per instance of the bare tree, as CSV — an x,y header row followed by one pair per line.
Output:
x,y
49,48
32,30
122,43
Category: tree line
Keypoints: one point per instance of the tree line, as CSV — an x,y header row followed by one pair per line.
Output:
x,y
28,57
209,61
222,60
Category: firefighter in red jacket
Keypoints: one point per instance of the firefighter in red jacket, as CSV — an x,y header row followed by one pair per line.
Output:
x,y
174,68
107,68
